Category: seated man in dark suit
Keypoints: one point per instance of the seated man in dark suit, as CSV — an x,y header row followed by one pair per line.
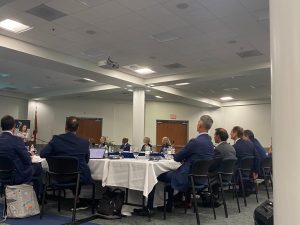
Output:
x,y
125,145
243,149
223,150
261,152
199,148
14,148
69,144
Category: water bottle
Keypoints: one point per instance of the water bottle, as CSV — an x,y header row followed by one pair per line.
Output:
x,y
147,152
106,152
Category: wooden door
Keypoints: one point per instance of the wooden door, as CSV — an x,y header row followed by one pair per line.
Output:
x,y
90,128
176,131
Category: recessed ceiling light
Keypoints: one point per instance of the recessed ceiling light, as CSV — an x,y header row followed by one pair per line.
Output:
x,y
148,90
130,90
129,85
182,84
14,26
144,71
157,96
151,85
88,79
226,98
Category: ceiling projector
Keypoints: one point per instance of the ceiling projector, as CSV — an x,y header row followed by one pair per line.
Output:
x,y
108,64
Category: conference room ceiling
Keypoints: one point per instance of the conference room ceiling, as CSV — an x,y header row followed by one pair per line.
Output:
x,y
172,37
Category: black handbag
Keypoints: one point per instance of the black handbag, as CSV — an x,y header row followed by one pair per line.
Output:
x,y
110,206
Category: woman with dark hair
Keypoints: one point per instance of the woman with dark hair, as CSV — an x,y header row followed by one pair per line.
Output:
x,y
261,152
23,133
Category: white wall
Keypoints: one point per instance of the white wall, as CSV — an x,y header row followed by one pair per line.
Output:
x,y
117,117
13,106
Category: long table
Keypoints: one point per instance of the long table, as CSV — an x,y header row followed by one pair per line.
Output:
x,y
135,174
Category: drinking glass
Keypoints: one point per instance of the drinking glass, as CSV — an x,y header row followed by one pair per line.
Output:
x,y
135,154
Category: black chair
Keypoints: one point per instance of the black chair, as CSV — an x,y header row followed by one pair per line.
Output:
x,y
200,181
64,174
245,169
266,171
7,172
226,178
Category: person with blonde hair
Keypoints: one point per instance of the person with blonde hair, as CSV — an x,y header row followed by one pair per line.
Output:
x,y
146,142
166,143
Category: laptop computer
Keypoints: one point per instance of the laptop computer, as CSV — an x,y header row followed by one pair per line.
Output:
x,y
97,153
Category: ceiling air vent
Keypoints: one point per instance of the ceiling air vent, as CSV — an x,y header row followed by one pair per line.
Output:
x,y
250,53
45,12
174,66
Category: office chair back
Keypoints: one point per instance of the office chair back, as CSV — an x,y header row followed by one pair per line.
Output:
x,y
246,163
7,170
267,163
227,168
200,170
63,169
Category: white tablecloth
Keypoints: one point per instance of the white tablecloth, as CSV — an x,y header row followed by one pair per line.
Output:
x,y
139,175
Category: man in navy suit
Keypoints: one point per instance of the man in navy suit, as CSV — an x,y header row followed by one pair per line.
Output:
x,y
199,148
69,144
125,145
14,148
244,149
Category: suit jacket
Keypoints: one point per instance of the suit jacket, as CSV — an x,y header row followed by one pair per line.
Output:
x,y
261,154
14,148
125,147
200,148
244,149
222,151
69,144
225,151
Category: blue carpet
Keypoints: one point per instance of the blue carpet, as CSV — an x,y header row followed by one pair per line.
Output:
x,y
48,219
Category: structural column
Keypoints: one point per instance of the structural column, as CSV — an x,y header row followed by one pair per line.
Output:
x,y
285,67
138,117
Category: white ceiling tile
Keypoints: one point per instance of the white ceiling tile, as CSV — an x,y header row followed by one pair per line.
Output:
x,y
162,16
137,4
221,8
71,22
102,12
194,14
255,5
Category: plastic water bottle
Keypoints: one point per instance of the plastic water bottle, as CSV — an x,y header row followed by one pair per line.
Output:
x,y
147,152
106,152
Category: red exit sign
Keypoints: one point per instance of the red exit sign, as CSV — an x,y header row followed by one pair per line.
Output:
x,y
173,116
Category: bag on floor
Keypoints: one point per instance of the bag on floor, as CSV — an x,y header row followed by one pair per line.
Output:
x,y
21,201
110,206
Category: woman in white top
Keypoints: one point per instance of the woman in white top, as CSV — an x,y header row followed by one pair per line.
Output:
x,y
23,133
